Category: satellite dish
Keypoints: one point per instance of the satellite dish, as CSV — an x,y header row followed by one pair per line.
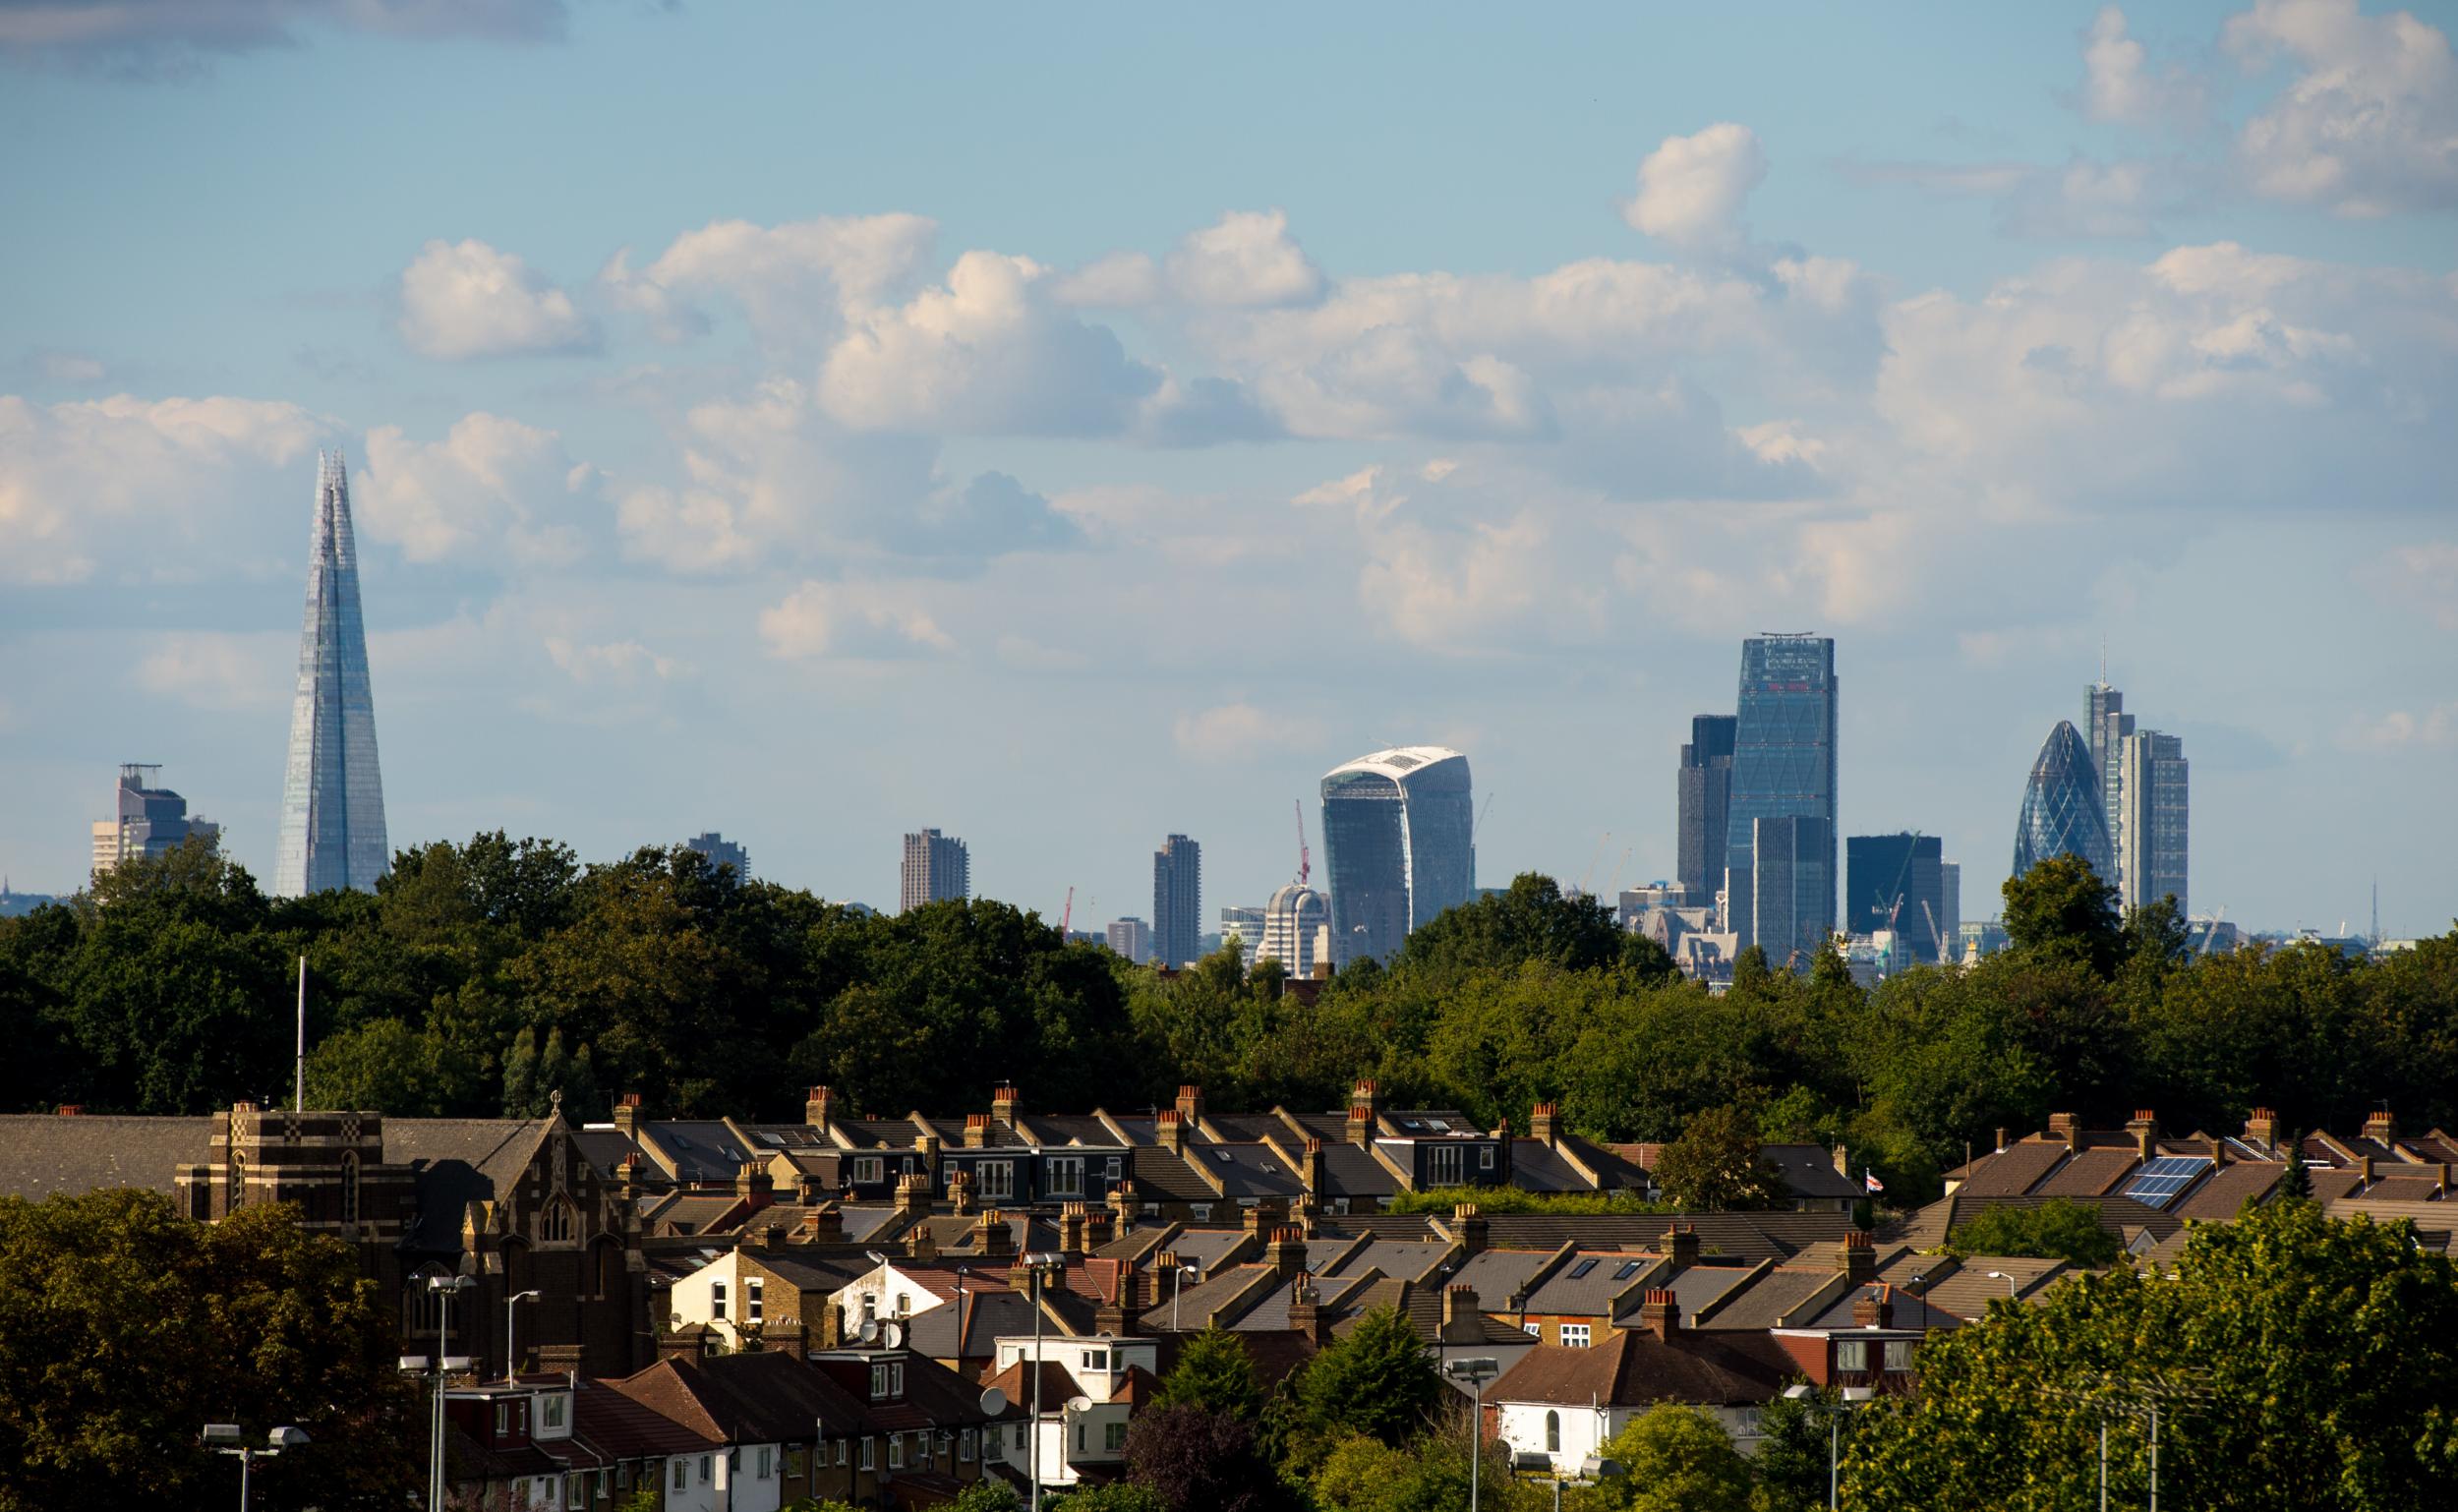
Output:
x,y
894,1335
1079,1404
869,1332
993,1401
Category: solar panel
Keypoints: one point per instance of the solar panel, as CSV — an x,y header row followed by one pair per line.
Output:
x,y
2159,1181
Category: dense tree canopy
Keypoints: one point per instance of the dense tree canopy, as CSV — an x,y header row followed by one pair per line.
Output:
x,y
2056,1230
485,977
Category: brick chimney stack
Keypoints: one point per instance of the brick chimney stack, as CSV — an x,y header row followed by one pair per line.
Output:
x,y
912,1195
1262,1219
2001,1140
819,1107
1541,1123
753,1184
1124,1207
2066,1127
1286,1253
976,1130
2143,1126
1190,1105
1070,1218
1681,1245
991,1237
1310,1172
1874,1307
961,1193
1120,1314
2263,1128
1461,1319
2380,1128
627,1179
627,1115
1469,1227
1173,1127
1842,1162
1306,1312
1003,1105
1099,1227
1858,1258
825,1224
1660,1313
1362,1112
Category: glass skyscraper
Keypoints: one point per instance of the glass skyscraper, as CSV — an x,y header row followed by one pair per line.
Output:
x,y
1706,804
1898,883
332,802
1792,887
2149,830
1782,766
1398,835
2061,807
1177,903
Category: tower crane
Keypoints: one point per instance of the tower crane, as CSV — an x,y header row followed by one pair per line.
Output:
x,y
1067,914
1305,857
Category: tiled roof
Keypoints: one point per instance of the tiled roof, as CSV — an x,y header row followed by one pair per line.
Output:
x,y
2093,1173
1160,1175
1494,1274
1586,1285
777,1397
2218,1196
2014,1170
1350,1172
1910,1312
1411,1261
1968,1289
1730,1236
47,1153
1768,1299
1635,1368
1809,1171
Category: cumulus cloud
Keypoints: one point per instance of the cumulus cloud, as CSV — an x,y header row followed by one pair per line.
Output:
x,y
174,37
492,489
2119,84
2369,126
466,299
1120,281
1691,189
1248,258
796,283
990,516
153,488
849,621
1239,731
990,351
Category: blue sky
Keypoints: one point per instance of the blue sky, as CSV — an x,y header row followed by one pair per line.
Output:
x,y
1064,429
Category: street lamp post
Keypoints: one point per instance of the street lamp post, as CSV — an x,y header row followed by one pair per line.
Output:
x,y
1476,1371
513,1355
2012,1287
1850,1397
445,1288
1037,1262
224,1438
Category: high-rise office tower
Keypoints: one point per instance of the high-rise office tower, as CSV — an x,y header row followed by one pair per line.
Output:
x,y
1297,927
1949,908
1897,882
332,799
1791,886
2105,726
1783,761
1131,938
722,851
1243,923
2151,833
2060,812
1706,797
1398,835
937,870
1178,901
145,821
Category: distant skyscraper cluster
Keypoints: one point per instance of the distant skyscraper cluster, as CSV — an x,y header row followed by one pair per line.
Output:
x,y
147,821
1896,885
1783,768
1178,901
2141,777
937,870
1399,845
1706,807
332,807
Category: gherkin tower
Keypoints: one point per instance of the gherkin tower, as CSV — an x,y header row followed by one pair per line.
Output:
x,y
332,803
2061,807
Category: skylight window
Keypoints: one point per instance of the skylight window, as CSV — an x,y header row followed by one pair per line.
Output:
x,y
1581,1269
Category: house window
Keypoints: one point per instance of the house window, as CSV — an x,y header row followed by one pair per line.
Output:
x,y
993,1444
605,1483
896,1379
869,1453
1443,1166
870,1170
1340,1205
1066,1176
752,1301
1899,1354
1485,1157
682,1474
1202,1211
1574,1335
1080,1437
576,1490
995,1180
896,1451
1114,1437
717,1300
879,1383
767,1463
551,1410
350,1186
704,1469
840,1452
1096,1359
905,1305
558,1223
1114,1167
1552,1433
1533,1331
1851,1357
965,1446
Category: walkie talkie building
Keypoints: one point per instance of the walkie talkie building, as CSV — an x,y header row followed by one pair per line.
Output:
x,y
1398,835
332,803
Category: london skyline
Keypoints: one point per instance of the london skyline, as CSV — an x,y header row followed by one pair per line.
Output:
x,y
804,433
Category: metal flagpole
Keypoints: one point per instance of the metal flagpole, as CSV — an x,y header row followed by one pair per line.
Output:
x,y
300,1105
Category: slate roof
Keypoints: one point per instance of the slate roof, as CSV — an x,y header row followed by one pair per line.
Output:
x,y
1969,1291
1731,1236
1809,1171
1494,1274
1910,1312
1572,1293
457,1162
1350,1172
1412,1261
47,1153
776,1396
987,1315
697,1150
1160,1175
1636,1370
1250,1170
1767,1301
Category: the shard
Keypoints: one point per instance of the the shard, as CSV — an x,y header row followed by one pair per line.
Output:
x,y
2061,807
332,803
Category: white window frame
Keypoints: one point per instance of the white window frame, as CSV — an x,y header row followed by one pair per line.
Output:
x,y
717,1300
767,1462
1202,1211
965,1443
1851,1357
896,1451
1065,1176
754,1304
870,1170
1114,1437
994,1180
1898,1356
1445,1165
683,1473
870,1453
1574,1335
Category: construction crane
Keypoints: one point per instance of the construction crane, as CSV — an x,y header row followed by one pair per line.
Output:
x,y
1305,857
1589,875
1937,937
1613,888
1067,915
1478,828
2210,931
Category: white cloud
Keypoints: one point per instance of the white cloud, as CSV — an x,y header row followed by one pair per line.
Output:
x,y
493,489
1239,731
2370,124
212,670
2430,730
616,662
849,621
1691,189
988,351
1247,258
466,299
1122,280
165,486
796,282
2118,84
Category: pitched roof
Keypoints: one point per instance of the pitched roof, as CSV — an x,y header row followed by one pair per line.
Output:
x,y
2093,1173
1635,1368
2014,1170
2227,1188
1809,1171
1966,1289
1585,1285
47,1153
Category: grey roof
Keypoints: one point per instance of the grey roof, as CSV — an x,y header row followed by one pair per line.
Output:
x,y
604,1149
1810,1171
1160,1175
1910,1312
1590,1295
698,1149
1203,1248
457,1161
1248,1170
1350,1172
1698,1287
42,1154
1406,1259
1730,1236
1495,1274
1774,1294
